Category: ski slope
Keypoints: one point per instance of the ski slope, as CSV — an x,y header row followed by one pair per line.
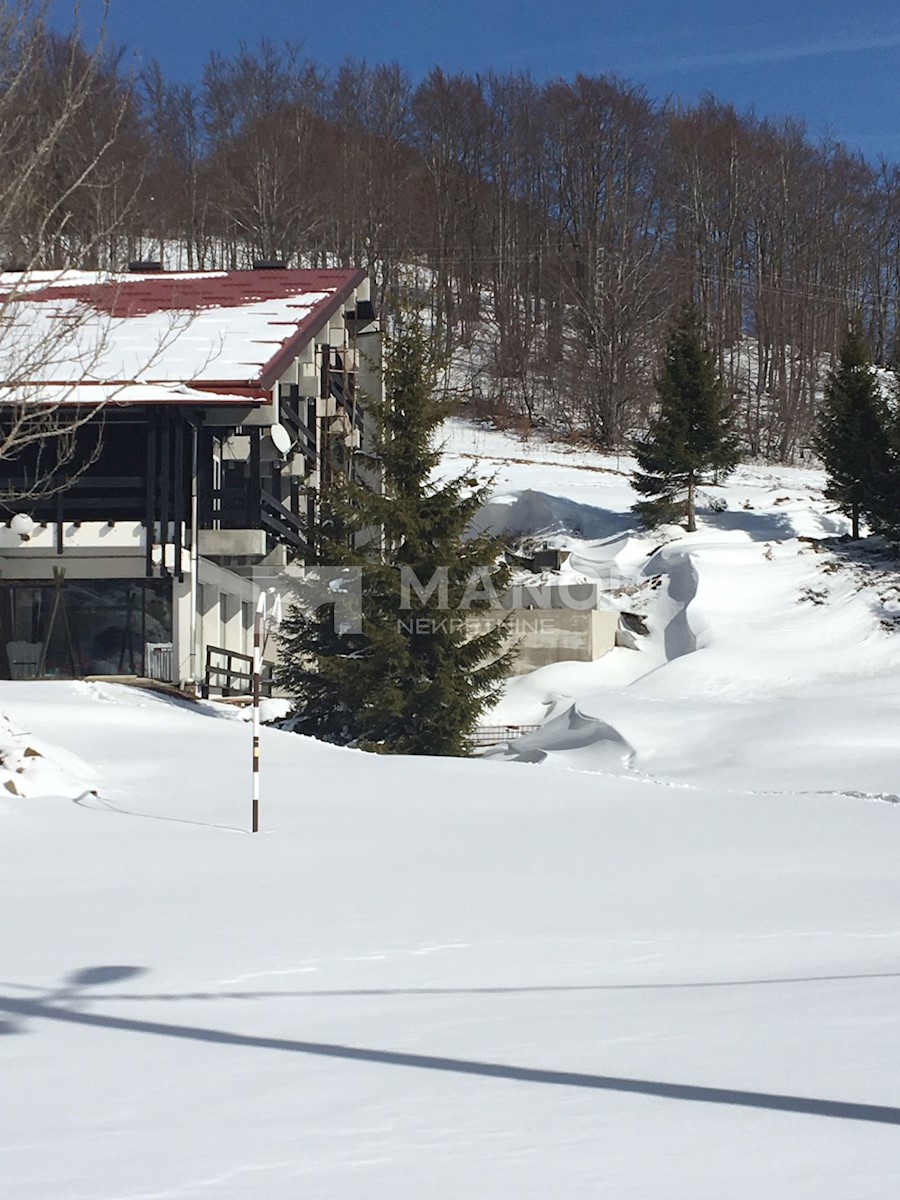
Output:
x,y
659,957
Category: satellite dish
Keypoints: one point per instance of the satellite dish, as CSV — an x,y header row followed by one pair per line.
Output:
x,y
281,439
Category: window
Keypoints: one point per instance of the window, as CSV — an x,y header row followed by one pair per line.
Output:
x,y
81,627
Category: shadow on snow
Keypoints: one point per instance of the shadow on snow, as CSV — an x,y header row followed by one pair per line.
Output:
x,y
61,1005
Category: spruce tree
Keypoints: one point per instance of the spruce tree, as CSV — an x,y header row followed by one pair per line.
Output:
x,y
416,678
853,437
692,433
885,515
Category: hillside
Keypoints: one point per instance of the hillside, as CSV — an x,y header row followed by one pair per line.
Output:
x,y
554,223
772,658
657,958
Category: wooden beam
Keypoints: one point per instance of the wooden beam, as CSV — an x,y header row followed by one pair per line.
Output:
x,y
165,485
254,481
178,479
150,510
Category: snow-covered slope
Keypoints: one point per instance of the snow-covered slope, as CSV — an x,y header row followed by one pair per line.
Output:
x,y
670,970
433,977
773,655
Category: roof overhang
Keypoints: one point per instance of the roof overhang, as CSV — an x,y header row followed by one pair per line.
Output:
x,y
282,359
253,324
97,395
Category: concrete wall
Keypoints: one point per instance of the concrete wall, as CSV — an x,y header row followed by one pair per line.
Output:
x,y
226,606
551,635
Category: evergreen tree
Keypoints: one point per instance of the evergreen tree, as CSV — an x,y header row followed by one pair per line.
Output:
x,y
885,505
853,437
416,678
885,516
692,433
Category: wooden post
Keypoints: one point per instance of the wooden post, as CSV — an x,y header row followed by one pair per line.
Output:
x,y
261,622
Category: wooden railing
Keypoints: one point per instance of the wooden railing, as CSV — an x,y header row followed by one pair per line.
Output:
x,y
233,508
120,497
284,525
228,679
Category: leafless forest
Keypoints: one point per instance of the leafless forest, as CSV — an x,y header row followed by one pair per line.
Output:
x,y
548,228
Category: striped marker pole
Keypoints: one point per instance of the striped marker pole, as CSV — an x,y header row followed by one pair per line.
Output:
x,y
258,622
261,622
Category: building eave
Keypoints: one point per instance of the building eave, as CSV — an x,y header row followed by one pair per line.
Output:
x,y
306,331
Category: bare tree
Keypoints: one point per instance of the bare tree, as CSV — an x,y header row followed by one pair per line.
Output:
x,y
65,192
551,227
608,163
177,199
262,119
378,178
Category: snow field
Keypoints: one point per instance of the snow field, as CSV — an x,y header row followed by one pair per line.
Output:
x,y
659,958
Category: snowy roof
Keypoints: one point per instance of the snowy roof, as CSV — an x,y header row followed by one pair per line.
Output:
x,y
170,337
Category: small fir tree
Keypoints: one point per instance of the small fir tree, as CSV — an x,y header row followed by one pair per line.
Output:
x,y
885,515
853,437
415,679
692,434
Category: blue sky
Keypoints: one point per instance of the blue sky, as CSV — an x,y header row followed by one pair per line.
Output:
x,y
833,64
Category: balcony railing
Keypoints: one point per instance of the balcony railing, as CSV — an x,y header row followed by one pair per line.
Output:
x,y
237,508
117,497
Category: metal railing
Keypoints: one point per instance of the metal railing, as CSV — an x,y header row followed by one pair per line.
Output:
x,y
495,735
158,661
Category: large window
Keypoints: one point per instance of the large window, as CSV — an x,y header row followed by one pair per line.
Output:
x,y
70,628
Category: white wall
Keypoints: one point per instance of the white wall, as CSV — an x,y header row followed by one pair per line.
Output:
x,y
546,636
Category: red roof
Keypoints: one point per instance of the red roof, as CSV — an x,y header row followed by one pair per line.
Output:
x,y
138,295
259,350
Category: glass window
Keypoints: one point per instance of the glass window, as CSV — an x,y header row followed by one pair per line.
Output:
x,y
81,627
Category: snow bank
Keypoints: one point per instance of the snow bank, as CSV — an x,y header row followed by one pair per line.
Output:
x,y
772,660
31,767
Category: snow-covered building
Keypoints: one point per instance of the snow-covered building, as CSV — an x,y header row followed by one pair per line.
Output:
x,y
216,406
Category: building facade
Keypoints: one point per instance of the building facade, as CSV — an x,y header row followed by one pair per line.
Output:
x,y
214,409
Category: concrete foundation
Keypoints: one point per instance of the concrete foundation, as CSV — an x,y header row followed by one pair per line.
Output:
x,y
545,636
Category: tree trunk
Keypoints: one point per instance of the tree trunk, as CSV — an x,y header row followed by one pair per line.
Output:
x,y
691,515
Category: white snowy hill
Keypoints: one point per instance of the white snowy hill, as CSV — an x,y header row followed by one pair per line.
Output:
x,y
772,660
659,959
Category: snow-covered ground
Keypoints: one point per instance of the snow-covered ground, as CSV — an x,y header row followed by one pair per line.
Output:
x,y
772,659
661,959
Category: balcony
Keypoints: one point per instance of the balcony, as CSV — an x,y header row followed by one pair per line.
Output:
x,y
244,522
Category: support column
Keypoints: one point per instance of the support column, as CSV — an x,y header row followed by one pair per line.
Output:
x,y
182,628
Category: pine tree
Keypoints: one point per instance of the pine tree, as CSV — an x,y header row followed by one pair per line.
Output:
x,y
692,433
416,678
853,437
885,515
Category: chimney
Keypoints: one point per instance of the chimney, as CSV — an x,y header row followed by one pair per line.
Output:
x,y
269,264
150,267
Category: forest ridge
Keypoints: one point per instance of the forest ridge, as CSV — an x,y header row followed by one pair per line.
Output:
x,y
551,228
